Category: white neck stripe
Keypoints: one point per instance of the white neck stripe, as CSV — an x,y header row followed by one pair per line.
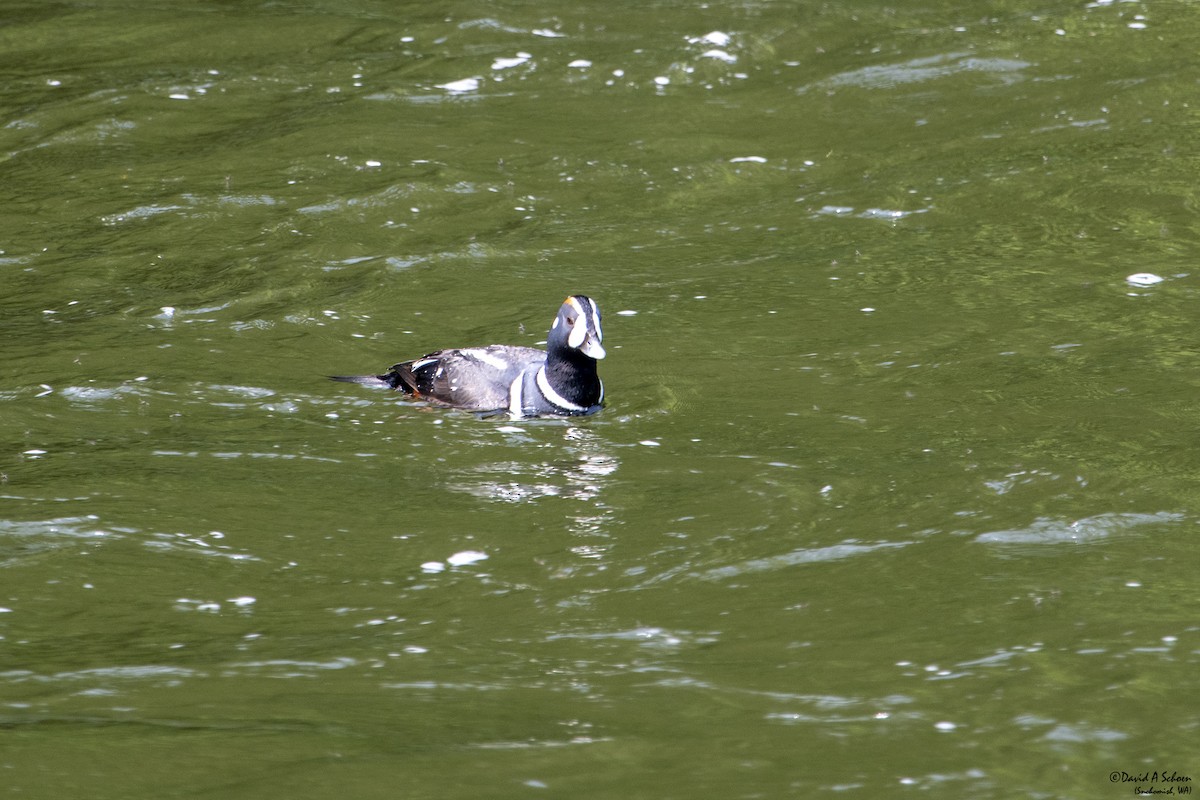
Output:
x,y
554,397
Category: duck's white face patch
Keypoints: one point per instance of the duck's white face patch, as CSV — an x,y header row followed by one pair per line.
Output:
x,y
578,325
578,332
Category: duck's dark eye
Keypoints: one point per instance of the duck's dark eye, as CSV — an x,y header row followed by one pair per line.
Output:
x,y
571,321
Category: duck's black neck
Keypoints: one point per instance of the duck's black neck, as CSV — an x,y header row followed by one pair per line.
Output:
x,y
573,375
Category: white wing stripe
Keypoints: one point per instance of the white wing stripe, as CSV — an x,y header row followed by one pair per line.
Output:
x,y
495,362
515,408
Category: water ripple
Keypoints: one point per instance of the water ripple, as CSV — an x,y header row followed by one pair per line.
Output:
x,y
920,70
805,555
1089,529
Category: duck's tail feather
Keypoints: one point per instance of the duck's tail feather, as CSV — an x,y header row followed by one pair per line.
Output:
x,y
378,381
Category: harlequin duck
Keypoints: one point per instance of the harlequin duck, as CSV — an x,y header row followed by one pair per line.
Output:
x,y
525,382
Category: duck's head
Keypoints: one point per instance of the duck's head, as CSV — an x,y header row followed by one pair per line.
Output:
x,y
577,327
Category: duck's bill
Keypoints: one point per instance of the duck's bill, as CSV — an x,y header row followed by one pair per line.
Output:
x,y
592,348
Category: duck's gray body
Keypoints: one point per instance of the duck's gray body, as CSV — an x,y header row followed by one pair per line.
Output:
x,y
524,381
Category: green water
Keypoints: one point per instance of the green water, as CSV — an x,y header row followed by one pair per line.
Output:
x,y
895,491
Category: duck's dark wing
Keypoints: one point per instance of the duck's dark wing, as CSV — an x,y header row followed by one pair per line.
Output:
x,y
474,378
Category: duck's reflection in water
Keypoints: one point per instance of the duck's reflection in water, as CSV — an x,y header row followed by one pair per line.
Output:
x,y
581,468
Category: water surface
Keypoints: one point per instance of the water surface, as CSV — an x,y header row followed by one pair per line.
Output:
x,y
893,492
